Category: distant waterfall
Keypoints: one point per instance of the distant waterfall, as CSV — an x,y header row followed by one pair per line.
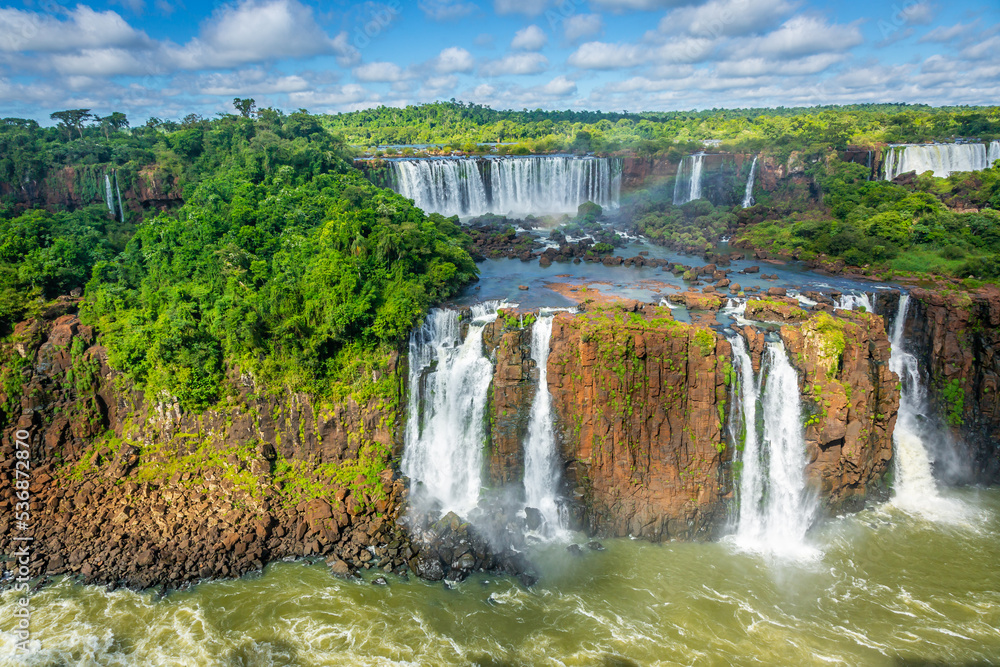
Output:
x,y
915,487
121,209
445,427
856,302
748,193
775,508
942,159
993,153
518,185
688,188
541,472
108,196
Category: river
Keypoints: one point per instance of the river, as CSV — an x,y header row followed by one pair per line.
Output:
x,y
882,587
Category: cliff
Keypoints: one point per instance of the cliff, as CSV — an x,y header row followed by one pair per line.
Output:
x,y
75,187
125,492
955,335
852,398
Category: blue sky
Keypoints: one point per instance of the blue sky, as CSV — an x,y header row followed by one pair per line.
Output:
x,y
168,58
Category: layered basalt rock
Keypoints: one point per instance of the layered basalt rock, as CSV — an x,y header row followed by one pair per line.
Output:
x,y
955,334
852,398
128,493
639,401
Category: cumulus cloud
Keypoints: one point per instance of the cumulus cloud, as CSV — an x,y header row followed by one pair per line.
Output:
x,y
516,64
380,71
531,38
251,81
602,55
83,28
558,87
454,59
260,30
578,26
729,18
804,36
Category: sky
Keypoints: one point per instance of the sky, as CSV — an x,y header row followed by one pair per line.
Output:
x,y
170,58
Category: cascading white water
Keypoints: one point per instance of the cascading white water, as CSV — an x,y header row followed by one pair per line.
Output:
x,y
688,188
775,508
108,197
856,302
121,209
748,193
445,429
518,185
541,472
993,154
915,489
942,159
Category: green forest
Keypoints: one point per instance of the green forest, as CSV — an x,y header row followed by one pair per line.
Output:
x,y
470,127
282,261
266,250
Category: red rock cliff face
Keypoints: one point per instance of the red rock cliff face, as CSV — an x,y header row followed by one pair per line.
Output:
x,y
852,398
956,336
639,401
70,188
175,497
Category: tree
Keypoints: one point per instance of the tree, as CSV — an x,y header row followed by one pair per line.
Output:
x,y
116,121
245,105
71,119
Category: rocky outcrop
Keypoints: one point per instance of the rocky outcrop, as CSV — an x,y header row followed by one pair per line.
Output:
x,y
75,187
955,334
639,401
852,398
128,493
515,381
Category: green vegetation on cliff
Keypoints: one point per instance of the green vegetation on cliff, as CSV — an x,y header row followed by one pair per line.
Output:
x,y
283,261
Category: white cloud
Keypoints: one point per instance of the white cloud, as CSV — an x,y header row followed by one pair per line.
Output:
x,y
578,26
558,87
985,49
260,30
446,10
104,62
83,28
531,38
135,6
454,59
950,33
803,36
335,96
380,71
516,63
727,17
764,67
602,55
249,82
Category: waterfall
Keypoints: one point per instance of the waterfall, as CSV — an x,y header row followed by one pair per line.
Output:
x,y
775,508
748,193
121,209
856,302
518,185
915,487
446,429
689,188
993,154
107,194
541,472
942,159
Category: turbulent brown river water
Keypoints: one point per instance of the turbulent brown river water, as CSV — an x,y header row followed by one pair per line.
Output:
x,y
883,588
